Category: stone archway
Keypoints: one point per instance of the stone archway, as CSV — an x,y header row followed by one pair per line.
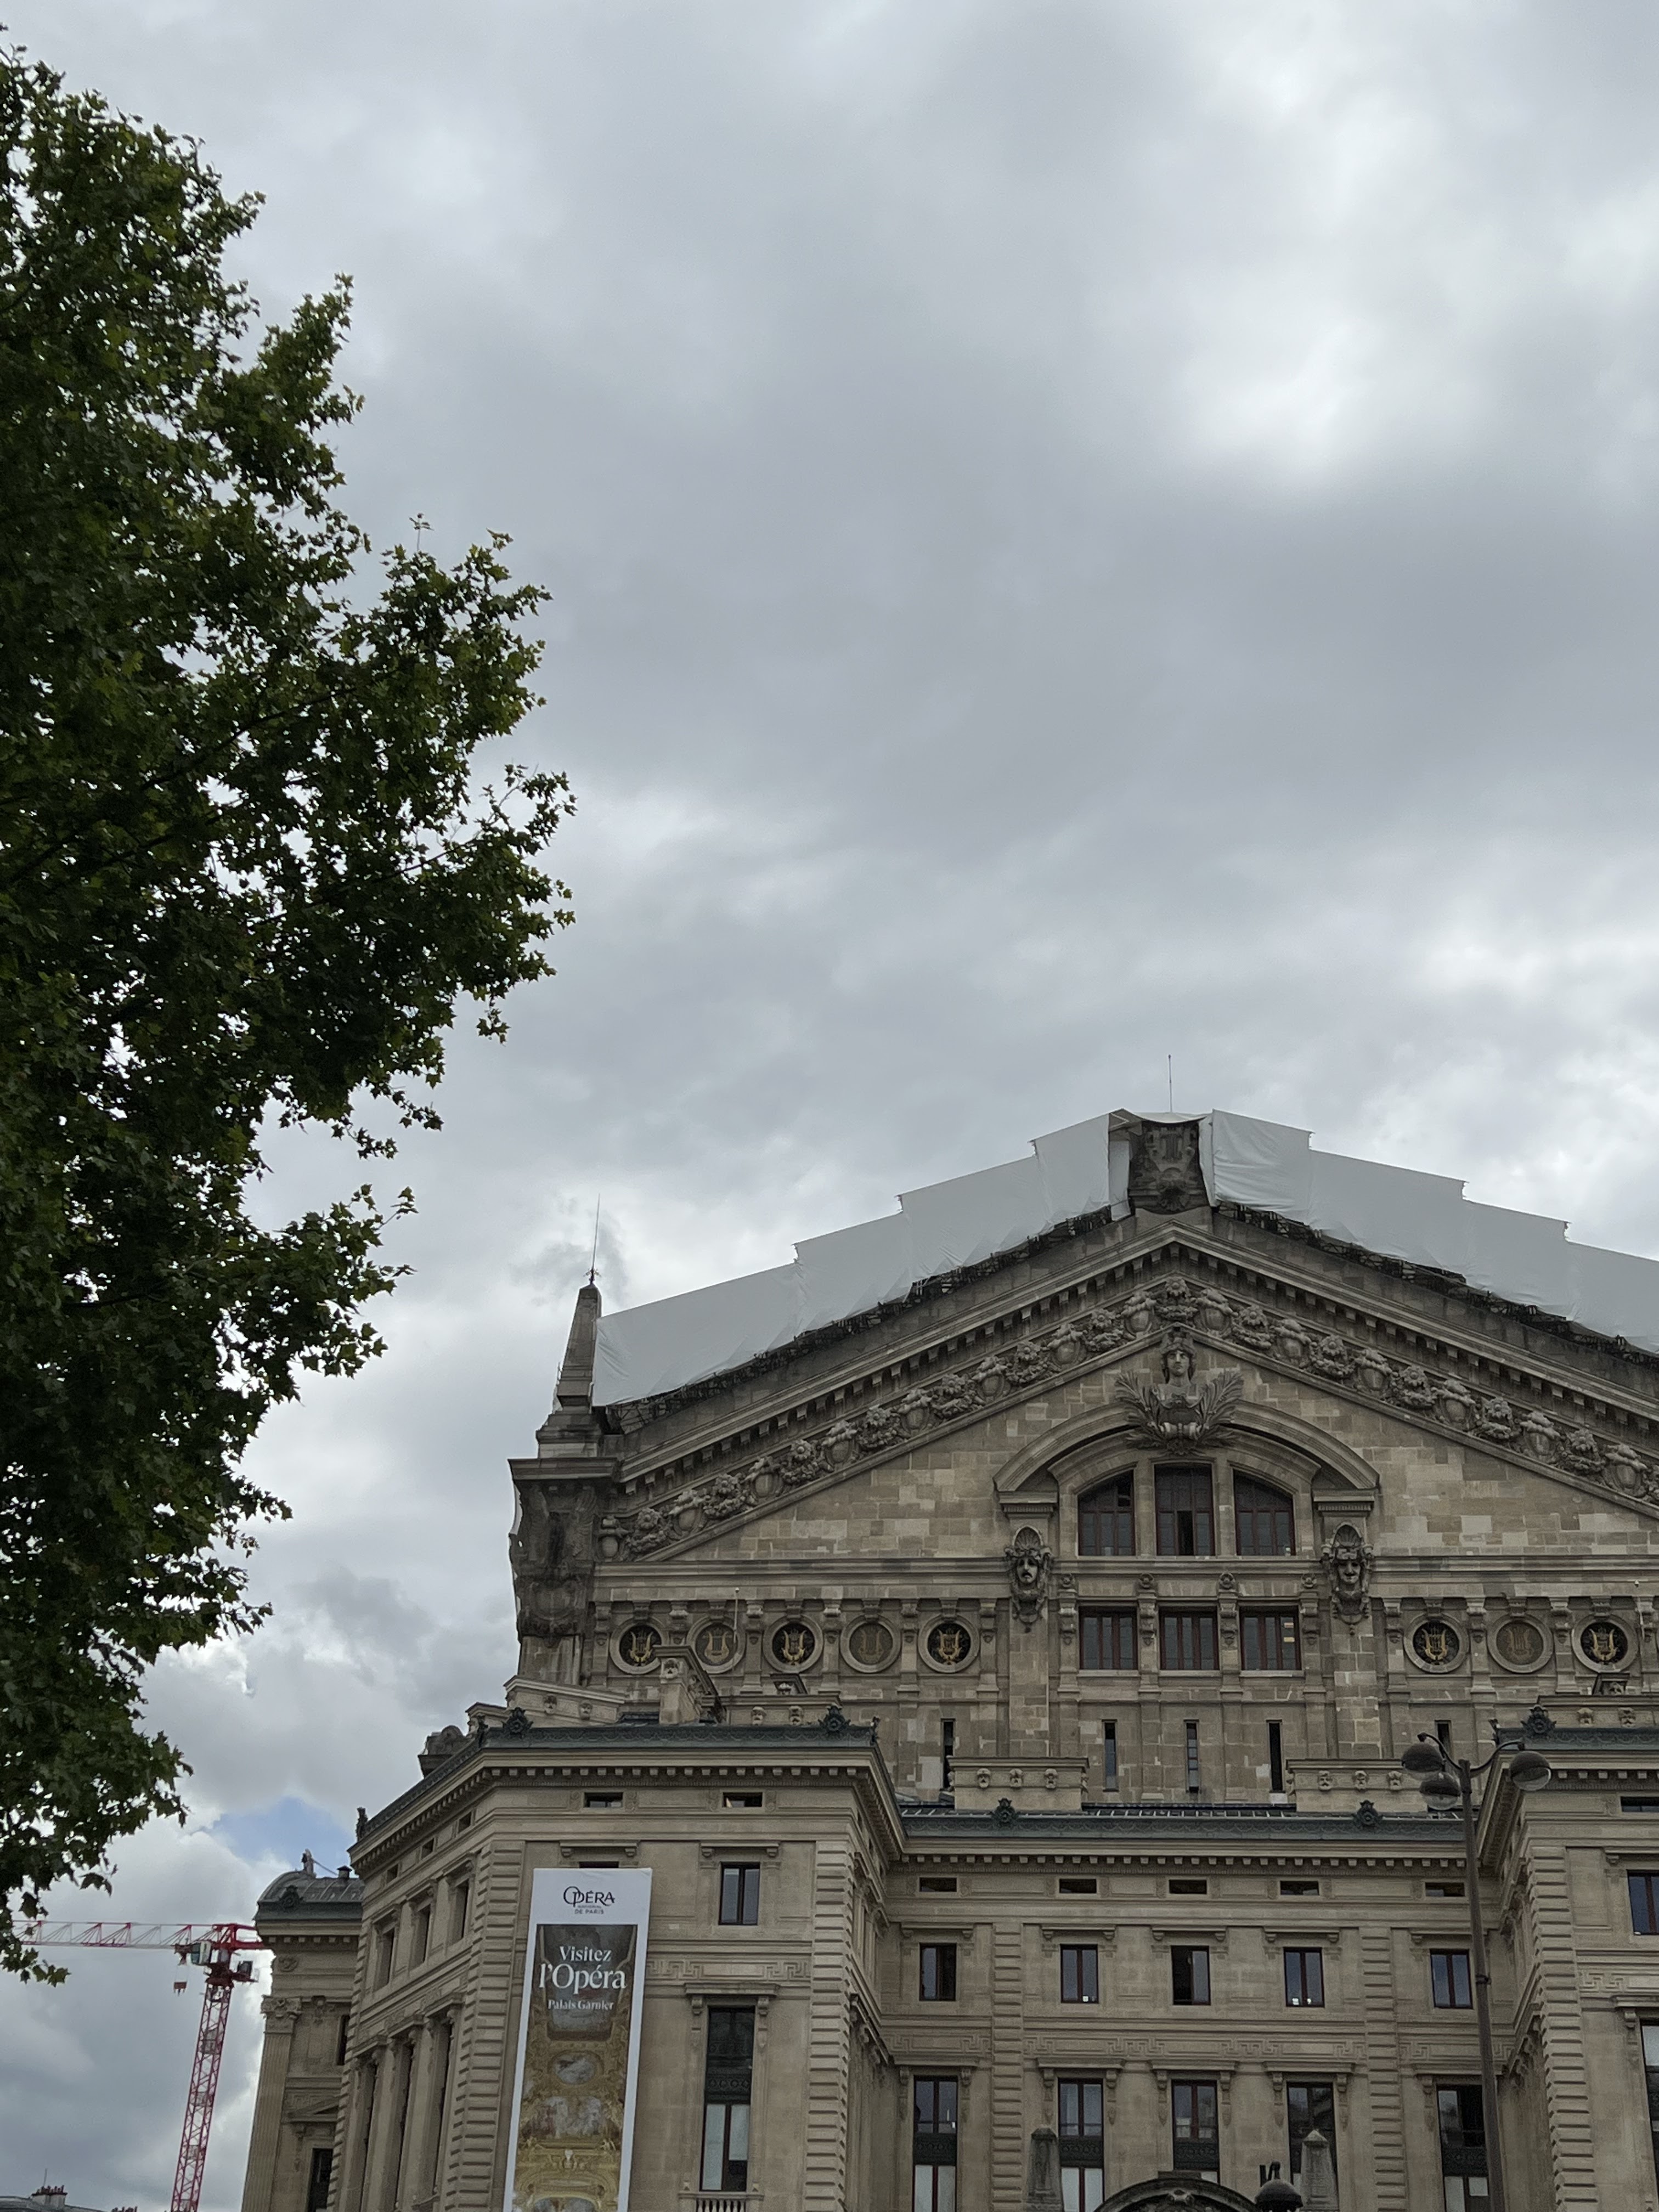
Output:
x,y
1178,2192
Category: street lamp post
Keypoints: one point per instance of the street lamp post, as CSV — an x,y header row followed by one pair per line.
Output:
x,y
1445,1781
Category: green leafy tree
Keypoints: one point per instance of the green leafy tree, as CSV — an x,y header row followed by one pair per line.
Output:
x,y
249,873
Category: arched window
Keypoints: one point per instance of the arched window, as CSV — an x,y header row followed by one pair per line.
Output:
x,y
1106,1521
1263,1519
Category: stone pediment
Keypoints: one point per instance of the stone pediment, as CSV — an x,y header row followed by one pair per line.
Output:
x,y
1188,1348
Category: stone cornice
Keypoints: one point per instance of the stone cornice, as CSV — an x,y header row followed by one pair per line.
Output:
x,y
1443,1380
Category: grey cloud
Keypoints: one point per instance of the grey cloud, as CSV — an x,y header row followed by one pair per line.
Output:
x,y
1079,533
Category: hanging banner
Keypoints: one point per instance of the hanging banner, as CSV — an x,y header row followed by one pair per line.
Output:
x,y
579,2042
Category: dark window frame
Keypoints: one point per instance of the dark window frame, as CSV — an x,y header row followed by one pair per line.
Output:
x,y
1106,1639
934,2099
1183,1630
1318,2102
1079,1973
1185,1510
1195,2099
321,2178
1643,1889
936,1963
1270,1504
739,1894
728,2085
1265,1633
1448,1971
1105,1516
1189,1974
1304,1976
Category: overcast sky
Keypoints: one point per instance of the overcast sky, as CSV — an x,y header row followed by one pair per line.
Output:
x,y
1079,533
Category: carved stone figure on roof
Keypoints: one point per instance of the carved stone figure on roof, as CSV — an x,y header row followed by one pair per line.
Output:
x,y
1181,1409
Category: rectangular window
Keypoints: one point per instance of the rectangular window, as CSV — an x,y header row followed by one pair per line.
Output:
x,y
602,1801
1462,2146
343,2038
934,2144
1305,1977
1186,1514
1298,1888
728,2076
1276,1765
1189,1641
1194,1778
1107,1639
947,1751
1308,2106
1449,1972
1193,2106
1189,1885
1271,1642
1077,1885
1644,1903
1082,2132
385,1943
1079,1973
1442,1889
938,1885
1189,1974
939,1974
1109,1745
1650,2062
322,2173
740,1896
1638,1804
1106,1521
420,1933
741,1800
1262,1520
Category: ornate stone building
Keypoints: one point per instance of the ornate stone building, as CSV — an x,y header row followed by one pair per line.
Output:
x,y
998,1633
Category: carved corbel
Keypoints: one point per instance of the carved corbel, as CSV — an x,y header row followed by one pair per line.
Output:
x,y
1054,1932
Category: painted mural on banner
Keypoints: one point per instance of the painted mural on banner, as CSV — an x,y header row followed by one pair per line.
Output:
x,y
579,2042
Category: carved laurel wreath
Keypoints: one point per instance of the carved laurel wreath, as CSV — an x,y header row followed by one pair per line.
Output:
x,y
1572,1447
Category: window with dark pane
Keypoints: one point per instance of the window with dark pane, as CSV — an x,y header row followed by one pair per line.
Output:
x,y
1308,2106
939,1974
1262,1519
1196,2131
1449,1974
740,1896
933,2143
1107,1637
322,2173
1189,1641
1106,1521
1270,1643
1189,1974
728,2076
1082,2131
1305,1977
1462,2146
1186,1512
1109,1745
1650,2066
1079,1973
1644,1903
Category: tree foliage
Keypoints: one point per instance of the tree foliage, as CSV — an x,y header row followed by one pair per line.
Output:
x,y
248,871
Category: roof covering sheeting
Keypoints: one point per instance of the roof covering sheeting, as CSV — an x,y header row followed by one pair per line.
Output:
x,y
1396,1212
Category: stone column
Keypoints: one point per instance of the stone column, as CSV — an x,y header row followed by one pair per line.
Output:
x,y
380,2168
420,2134
359,2111
282,2017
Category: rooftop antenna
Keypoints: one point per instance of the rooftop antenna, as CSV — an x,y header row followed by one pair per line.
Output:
x,y
593,1257
1171,1058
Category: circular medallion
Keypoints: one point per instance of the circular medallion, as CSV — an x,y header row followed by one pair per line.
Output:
x,y
1520,1643
1604,1643
638,1644
948,1645
869,1645
719,1645
793,1645
1436,1644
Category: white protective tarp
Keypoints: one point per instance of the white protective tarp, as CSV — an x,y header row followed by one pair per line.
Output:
x,y
1396,1212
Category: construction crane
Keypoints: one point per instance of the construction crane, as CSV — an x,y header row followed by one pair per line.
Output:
x,y
216,1945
